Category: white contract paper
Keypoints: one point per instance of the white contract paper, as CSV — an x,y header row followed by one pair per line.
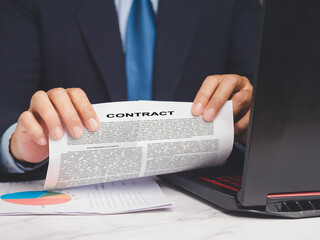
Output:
x,y
137,139
19,198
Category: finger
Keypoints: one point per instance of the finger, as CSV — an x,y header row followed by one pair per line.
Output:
x,y
84,108
29,124
228,85
242,125
204,94
42,106
241,101
61,101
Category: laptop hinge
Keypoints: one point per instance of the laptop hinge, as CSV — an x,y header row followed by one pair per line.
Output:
x,y
293,202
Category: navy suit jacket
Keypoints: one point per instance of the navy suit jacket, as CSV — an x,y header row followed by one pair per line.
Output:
x,y
46,44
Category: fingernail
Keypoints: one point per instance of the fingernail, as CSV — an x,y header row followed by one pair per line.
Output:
x,y
43,141
93,124
197,109
58,132
77,132
208,114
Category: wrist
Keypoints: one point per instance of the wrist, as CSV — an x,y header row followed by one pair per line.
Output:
x,y
17,158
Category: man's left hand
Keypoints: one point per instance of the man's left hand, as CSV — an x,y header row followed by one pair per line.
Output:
x,y
213,94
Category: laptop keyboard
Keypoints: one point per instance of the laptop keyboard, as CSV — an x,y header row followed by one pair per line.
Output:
x,y
229,182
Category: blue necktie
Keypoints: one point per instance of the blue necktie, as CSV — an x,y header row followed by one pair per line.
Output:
x,y
140,40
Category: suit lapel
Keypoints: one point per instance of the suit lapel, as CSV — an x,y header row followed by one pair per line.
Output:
x,y
176,25
99,25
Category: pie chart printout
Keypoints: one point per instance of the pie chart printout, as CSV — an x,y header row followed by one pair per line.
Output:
x,y
36,198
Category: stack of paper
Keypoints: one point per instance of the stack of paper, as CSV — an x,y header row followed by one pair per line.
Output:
x,y
107,198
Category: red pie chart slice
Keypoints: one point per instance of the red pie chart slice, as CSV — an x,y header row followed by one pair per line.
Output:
x,y
36,198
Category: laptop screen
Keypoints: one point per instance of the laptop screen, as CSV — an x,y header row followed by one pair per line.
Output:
x,y
282,154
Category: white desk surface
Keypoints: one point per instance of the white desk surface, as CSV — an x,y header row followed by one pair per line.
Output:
x,y
189,219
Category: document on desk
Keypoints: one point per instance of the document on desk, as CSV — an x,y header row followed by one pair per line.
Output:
x,y
18,198
140,138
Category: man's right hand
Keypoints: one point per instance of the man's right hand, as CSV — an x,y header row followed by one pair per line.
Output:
x,y
47,110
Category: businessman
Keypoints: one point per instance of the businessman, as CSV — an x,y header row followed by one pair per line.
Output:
x,y
62,53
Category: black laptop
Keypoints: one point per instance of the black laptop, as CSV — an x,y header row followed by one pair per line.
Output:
x,y
280,172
